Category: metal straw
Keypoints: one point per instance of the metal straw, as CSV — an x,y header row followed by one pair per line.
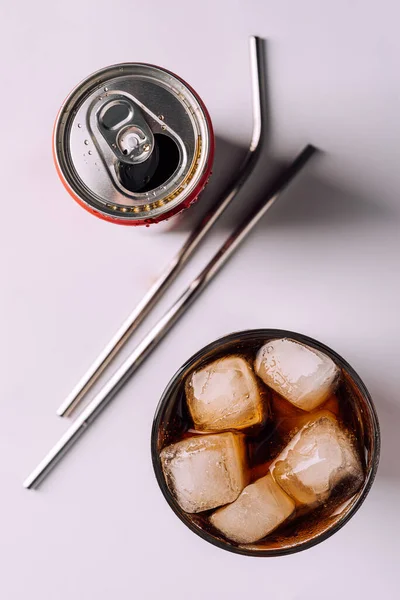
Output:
x,y
133,361
258,73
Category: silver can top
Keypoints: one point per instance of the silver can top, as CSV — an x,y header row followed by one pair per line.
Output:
x,y
132,142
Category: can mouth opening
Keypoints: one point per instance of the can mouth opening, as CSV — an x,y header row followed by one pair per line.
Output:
x,y
155,171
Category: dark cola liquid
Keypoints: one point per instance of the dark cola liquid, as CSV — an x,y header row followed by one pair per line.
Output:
x,y
264,442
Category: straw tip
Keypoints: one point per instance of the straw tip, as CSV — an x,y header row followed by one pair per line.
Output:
x,y
28,483
309,151
312,148
256,40
67,407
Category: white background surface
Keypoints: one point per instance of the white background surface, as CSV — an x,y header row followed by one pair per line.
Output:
x,y
324,262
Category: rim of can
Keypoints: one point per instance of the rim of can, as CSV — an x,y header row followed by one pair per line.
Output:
x,y
354,503
95,81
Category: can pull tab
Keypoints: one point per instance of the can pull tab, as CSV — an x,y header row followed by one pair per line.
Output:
x,y
126,131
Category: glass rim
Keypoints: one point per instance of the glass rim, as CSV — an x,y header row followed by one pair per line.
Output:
x,y
269,334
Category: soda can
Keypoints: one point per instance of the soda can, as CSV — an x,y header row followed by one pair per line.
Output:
x,y
133,144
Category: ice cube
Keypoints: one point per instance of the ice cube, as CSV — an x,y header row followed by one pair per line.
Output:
x,y
260,508
320,457
205,471
225,395
302,375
